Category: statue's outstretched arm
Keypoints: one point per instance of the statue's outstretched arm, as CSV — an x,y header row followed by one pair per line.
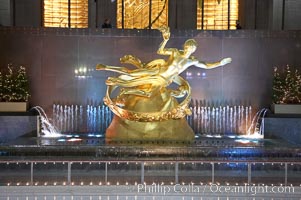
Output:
x,y
213,65
128,72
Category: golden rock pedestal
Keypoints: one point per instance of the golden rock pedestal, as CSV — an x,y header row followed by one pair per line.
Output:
x,y
170,130
158,130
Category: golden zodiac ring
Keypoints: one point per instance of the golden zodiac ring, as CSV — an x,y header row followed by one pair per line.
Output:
x,y
180,111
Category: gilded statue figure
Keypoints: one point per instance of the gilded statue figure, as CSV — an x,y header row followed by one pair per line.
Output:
x,y
145,107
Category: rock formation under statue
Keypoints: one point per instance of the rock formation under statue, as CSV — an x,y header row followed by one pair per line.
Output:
x,y
145,107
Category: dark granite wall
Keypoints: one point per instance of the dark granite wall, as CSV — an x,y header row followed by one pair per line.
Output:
x,y
51,57
286,128
12,127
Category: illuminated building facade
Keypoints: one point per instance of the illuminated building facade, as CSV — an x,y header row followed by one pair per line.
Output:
x,y
65,13
217,15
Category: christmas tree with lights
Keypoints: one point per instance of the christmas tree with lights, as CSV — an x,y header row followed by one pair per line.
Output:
x,y
21,90
14,86
286,86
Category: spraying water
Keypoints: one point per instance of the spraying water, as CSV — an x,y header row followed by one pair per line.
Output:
x,y
220,120
82,119
256,128
205,120
47,129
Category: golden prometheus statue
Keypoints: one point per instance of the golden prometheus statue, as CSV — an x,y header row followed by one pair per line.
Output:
x,y
145,108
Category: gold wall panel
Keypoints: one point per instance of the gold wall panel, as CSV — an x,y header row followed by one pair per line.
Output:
x,y
136,14
216,14
56,13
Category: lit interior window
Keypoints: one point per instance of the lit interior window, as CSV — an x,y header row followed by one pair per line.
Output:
x,y
217,14
79,13
66,13
136,14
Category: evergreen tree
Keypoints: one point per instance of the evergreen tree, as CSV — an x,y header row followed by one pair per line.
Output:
x,y
8,84
287,86
21,92
14,86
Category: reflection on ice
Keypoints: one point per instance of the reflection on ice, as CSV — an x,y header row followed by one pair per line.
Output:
x,y
255,135
74,140
243,141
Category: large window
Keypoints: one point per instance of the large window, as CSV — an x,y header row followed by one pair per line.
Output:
x,y
142,14
217,14
66,13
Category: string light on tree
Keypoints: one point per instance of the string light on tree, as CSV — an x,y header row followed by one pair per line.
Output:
x,y
14,86
287,86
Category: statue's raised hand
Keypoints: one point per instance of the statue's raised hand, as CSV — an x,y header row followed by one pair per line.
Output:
x,y
165,32
226,61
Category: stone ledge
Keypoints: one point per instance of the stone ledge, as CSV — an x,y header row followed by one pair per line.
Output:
x,y
286,108
114,32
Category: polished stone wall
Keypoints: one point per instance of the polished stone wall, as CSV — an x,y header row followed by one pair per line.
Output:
x,y
285,127
52,55
14,125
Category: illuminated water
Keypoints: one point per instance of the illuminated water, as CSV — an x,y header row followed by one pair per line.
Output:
x,y
47,129
79,118
205,120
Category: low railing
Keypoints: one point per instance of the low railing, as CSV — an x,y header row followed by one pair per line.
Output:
x,y
38,172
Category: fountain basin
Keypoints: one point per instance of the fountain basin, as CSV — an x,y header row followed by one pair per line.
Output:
x,y
87,161
95,147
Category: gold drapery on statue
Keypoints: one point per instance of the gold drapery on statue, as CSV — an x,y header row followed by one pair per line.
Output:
x,y
145,108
